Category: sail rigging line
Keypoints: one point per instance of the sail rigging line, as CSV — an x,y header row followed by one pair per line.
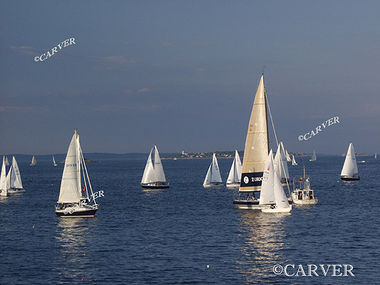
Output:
x,y
275,134
85,168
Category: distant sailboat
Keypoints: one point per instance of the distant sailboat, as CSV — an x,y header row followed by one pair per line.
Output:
x,y
255,152
375,155
6,161
154,176
288,159
74,199
15,183
234,176
272,191
54,163
314,156
213,177
33,162
294,163
350,168
3,180
280,164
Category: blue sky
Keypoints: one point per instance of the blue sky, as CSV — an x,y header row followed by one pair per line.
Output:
x,y
183,74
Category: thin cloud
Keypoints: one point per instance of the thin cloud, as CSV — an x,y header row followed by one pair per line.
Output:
x,y
144,90
21,108
25,50
114,62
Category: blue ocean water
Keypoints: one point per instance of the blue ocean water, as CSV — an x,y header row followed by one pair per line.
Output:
x,y
187,234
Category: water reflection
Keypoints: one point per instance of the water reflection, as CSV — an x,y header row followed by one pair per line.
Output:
x,y
263,244
71,236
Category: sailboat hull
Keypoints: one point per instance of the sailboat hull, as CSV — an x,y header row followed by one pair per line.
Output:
x,y
277,210
155,185
348,178
249,205
233,185
15,191
213,185
77,212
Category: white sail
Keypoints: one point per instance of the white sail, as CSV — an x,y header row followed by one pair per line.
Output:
x,y
6,161
267,186
350,167
70,191
33,162
375,155
294,161
153,172
54,162
288,159
256,143
8,179
158,169
15,182
235,171
280,164
3,177
279,194
213,173
314,156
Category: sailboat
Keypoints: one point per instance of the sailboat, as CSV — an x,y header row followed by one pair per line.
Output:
x,y
6,161
314,156
288,159
375,155
74,199
272,192
15,183
3,180
154,176
350,168
294,162
213,178
280,164
54,163
233,180
255,152
33,162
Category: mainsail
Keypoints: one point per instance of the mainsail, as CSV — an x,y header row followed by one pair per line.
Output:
x,y
15,176
294,162
153,172
213,173
314,156
267,186
70,191
54,163
280,164
235,171
33,162
3,177
350,167
256,144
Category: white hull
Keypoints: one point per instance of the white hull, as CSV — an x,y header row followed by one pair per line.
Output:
x,y
216,185
15,191
277,210
3,193
84,211
233,185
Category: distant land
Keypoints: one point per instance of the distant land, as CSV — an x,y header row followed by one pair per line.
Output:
x,y
95,156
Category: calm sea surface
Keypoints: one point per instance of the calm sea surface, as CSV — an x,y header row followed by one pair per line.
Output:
x,y
187,234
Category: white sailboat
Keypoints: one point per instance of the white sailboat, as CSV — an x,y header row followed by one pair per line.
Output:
x,y
350,168
33,162
6,161
288,159
15,178
3,180
280,164
154,176
272,191
255,152
294,162
375,155
213,178
234,176
314,156
54,163
74,199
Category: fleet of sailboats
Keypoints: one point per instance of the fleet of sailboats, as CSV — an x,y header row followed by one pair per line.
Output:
x,y
350,168
213,178
234,175
76,198
154,176
10,183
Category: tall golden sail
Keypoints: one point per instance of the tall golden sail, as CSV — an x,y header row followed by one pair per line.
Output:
x,y
256,144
